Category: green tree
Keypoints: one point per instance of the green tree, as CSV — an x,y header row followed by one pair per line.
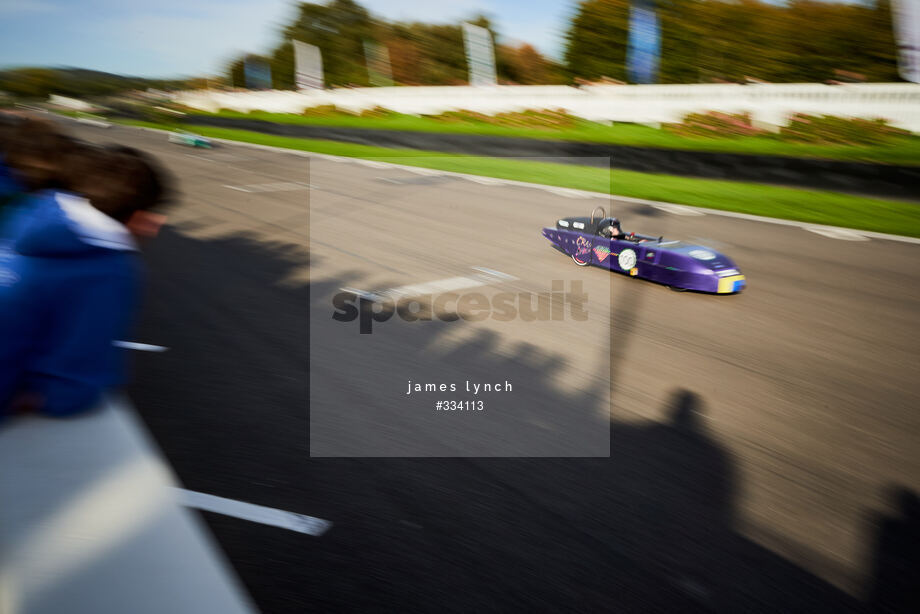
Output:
x,y
715,40
236,72
31,83
682,29
597,39
338,29
282,63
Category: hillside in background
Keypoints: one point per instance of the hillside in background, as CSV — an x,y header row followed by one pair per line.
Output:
x,y
39,83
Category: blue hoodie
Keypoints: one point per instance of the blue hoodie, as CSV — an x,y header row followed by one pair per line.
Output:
x,y
68,287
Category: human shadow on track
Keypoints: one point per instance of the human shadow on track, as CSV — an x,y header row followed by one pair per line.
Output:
x,y
651,528
895,574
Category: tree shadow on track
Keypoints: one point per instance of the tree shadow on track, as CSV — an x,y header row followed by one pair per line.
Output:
x,y
651,528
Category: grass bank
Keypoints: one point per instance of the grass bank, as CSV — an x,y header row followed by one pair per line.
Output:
x,y
901,151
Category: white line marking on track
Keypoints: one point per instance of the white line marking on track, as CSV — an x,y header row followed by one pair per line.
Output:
x,y
678,209
483,180
569,192
371,163
494,273
218,157
253,513
418,170
140,347
281,186
843,234
485,277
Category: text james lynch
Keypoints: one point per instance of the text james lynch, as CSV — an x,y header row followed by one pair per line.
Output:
x,y
469,386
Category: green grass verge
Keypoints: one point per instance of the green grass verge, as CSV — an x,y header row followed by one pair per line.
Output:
x,y
902,151
812,206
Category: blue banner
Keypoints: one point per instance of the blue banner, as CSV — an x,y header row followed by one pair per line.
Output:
x,y
644,43
258,74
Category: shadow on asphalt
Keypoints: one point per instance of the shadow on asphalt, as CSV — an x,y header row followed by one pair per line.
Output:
x,y
652,528
895,573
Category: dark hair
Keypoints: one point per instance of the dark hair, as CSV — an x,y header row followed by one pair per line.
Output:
x,y
7,129
117,180
36,151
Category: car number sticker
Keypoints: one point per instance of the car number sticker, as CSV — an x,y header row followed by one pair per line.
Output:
x,y
627,259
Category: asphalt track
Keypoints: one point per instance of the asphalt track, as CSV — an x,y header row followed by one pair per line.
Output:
x,y
763,450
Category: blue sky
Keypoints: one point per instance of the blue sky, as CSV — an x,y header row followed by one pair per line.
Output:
x,y
170,38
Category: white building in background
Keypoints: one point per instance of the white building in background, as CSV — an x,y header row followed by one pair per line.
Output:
x,y
73,104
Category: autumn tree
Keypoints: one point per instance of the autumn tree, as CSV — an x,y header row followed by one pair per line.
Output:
x,y
716,40
526,66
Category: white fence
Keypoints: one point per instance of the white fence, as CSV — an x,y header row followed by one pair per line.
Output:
x,y
769,104
90,522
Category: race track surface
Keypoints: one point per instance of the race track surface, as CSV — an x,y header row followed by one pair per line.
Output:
x,y
763,447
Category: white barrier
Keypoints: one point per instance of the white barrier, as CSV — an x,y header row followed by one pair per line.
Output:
x,y
66,102
90,523
770,104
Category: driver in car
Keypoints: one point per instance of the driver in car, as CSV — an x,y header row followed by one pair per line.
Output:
x,y
611,229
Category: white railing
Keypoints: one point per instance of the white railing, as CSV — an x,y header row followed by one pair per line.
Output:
x,y
90,522
770,104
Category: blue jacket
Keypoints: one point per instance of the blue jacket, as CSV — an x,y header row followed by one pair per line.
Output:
x,y
8,183
69,277
10,186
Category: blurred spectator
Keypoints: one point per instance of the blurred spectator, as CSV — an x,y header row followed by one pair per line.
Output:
x,y
69,270
9,185
35,152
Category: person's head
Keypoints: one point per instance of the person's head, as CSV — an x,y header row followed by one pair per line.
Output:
x,y
612,227
121,182
7,129
35,153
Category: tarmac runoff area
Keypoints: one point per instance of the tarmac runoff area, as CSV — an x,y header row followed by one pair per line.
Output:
x,y
756,441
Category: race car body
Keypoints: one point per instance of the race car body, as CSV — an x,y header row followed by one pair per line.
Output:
x,y
188,138
680,265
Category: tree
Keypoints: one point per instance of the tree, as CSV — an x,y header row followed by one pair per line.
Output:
x,y
701,40
282,63
29,82
236,72
339,29
716,40
525,65
597,39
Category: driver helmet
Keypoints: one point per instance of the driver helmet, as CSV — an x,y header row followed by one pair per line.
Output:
x,y
609,224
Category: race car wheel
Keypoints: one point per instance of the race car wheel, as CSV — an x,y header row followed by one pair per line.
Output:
x,y
676,289
580,262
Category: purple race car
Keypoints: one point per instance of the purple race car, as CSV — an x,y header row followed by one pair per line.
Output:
x,y
598,240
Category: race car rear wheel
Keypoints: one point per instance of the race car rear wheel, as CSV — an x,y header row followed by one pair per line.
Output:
x,y
580,262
